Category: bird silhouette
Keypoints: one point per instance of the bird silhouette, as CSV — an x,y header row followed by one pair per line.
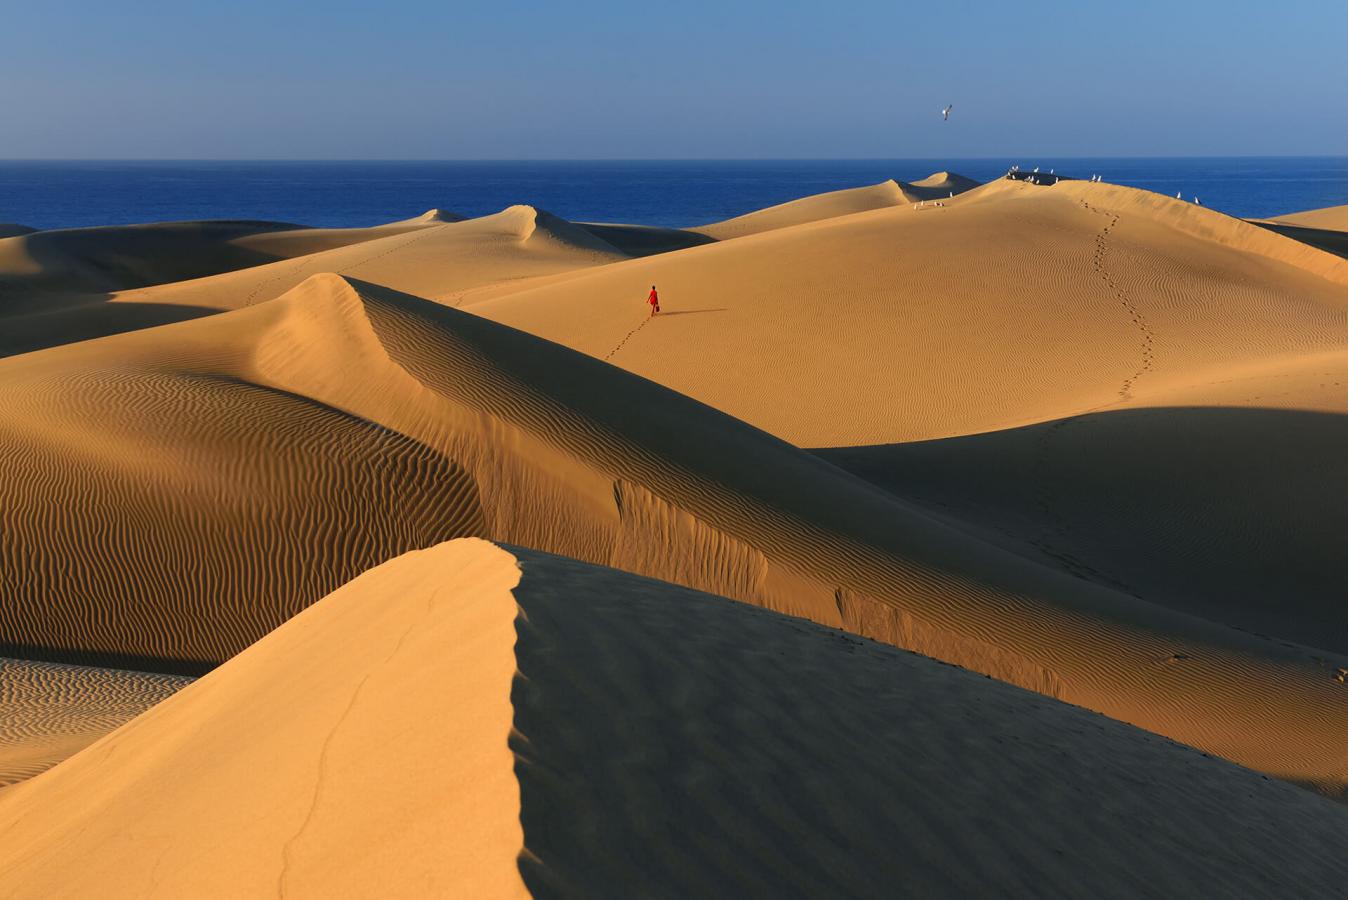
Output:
x,y
945,113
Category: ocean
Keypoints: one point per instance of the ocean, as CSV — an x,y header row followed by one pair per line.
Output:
x,y
45,194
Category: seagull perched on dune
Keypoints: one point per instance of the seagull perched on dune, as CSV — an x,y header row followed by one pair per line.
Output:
x,y
945,113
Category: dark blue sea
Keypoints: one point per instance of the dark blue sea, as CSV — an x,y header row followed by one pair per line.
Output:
x,y
336,194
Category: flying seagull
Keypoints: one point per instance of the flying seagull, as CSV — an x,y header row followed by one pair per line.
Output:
x,y
945,113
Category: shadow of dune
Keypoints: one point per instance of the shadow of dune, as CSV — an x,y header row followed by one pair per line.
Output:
x,y
1234,514
646,240
43,267
1335,242
38,331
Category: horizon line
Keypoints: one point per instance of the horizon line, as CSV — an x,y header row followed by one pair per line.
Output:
x,y
636,159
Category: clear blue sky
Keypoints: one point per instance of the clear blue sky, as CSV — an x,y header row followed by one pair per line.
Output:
x,y
462,79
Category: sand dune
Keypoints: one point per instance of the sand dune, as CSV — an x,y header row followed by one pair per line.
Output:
x,y
1331,218
44,266
1335,242
387,423
49,711
422,732
839,203
1011,305
645,240
435,255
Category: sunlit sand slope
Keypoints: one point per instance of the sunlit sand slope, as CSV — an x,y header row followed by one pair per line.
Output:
x,y
1010,305
50,711
174,494
665,743
358,751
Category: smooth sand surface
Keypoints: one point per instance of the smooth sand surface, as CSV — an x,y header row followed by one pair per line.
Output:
x,y
251,462
50,711
424,731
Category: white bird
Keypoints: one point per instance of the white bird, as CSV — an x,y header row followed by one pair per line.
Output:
x,y
1036,168
1196,203
1179,195
945,113
1050,171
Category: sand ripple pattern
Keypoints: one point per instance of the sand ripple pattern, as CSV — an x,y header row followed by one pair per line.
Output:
x,y
48,710
211,511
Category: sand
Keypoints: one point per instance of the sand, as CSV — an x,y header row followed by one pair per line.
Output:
x,y
840,203
388,423
425,731
1331,218
1010,305
62,287
50,711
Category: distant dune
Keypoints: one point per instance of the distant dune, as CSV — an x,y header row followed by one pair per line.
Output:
x,y
1012,304
422,732
1324,229
1331,218
51,299
840,203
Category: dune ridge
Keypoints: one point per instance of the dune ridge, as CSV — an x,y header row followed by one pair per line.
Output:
x,y
515,662
835,204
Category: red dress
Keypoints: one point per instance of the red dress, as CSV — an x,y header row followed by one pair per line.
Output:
x,y
654,301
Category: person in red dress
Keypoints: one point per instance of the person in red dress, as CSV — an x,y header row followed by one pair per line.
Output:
x,y
654,301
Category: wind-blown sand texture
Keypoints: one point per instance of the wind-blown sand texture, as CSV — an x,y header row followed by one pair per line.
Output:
x,y
50,711
428,731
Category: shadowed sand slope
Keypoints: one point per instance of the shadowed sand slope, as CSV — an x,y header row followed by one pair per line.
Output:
x,y
50,711
839,203
1011,304
76,261
251,462
1232,513
1330,241
665,743
9,229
